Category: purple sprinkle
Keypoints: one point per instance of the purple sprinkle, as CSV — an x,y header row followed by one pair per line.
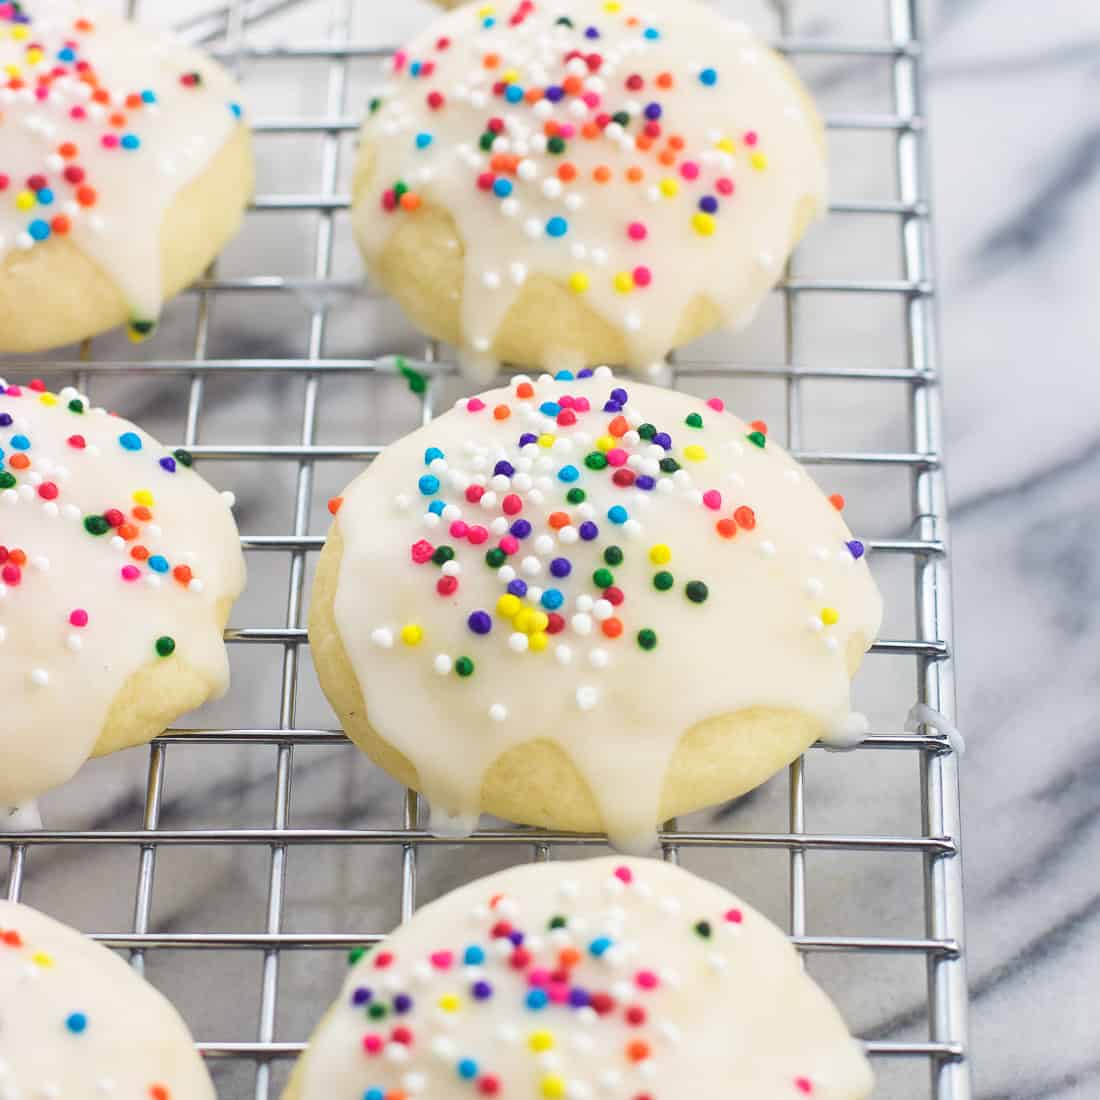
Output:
x,y
644,481
561,567
521,529
554,93
612,407
361,996
708,204
578,997
480,622
663,439
620,395
591,32
482,991
588,530
855,547
168,464
516,937
653,111
5,420
402,1003
517,587
586,373
526,438
505,468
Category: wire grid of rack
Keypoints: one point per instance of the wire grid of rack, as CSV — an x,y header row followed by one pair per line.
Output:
x,y
925,546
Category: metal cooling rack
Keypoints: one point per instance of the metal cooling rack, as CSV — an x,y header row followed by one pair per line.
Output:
x,y
929,652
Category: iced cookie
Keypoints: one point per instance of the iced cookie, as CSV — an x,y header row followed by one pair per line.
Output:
x,y
572,183
118,567
76,1021
593,979
589,605
124,168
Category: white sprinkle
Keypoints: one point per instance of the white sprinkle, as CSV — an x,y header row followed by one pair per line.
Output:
x,y
401,502
518,642
533,228
510,207
491,280
767,549
578,251
566,535
563,654
518,272
442,664
452,568
40,677
414,1082
498,712
587,698
831,644
481,344
602,609
585,602
443,1047
531,566
229,498
718,963
383,637
527,170
75,643
599,256
498,526
582,624
814,586
152,580
430,519
599,659
821,553
815,624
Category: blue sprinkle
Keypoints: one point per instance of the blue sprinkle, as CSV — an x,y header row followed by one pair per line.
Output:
x,y
618,514
561,568
663,439
517,588
76,1022
568,474
516,938
612,407
552,599
130,441
502,187
537,999
653,111
528,437
856,548
620,395
564,376
414,68
5,420
549,408
651,33
513,93
588,530
431,454
20,442
557,226
599,946
708,77
521,528
504,467
168,464
402,1003
130,141
158,563
481,990
474,956
489,22
429,485
708,204
554,93
235,110
578,997
149,96
361,995
423,140
436,507
374,1094
66,55
591,32
586,373
467,1069
645,482
45,196
39,229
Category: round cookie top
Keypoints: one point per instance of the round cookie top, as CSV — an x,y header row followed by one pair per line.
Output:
x,y
600,565
76,1021
598,978
114,555
102,122
643,155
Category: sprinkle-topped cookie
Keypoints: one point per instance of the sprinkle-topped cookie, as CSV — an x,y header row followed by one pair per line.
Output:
x,y
101,124
596,564
652,164
114,556
603,978
76,1021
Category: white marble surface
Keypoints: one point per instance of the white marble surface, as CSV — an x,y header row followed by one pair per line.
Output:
x,y
1016,146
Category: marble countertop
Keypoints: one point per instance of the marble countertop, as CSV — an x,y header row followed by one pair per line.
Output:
x,y
1016,149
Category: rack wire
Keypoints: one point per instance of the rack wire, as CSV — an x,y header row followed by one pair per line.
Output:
x,y
919,545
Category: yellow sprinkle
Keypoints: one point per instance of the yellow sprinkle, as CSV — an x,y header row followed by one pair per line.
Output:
x,y
47,399
524,622
12,70
552,1086
135,336
624,282
34,56
509,76
704,224
830,616
612,6
143,496
695,452
726,145
485,12
542,621
538,642
20,34
40,958
450,1002
508,605
605,443
547,440
541,1040
660,554
578,282
26,200
411,634
670,187
759,161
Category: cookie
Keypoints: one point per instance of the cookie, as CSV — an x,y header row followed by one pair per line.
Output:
x,y
565,184
76,1021
124,168
589,605
599,978
118,567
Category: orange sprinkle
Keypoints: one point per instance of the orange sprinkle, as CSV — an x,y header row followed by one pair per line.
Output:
x,y
635,174
83,25
664,80
612,627
759,426
601,173
133,101
637,1050
558,520
60,225
569,956
745,517
410,201
182,573
676,142
837,501
395,1094
117,120
619,427
501,412
525,390
550,128
19,462
100,96
86,196
139,553
142,513
334,505
644,142
18,557
159,1092
727,528
667,156
532,95
567,172
590,130
67,149
572,84
128,531
491,60
495,900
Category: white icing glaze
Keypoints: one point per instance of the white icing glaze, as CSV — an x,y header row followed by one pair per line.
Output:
x,y
58,678
617,710
750,146
921,714
178,132
76,1022
722,1009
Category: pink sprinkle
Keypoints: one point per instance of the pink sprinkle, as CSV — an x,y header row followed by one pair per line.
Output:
x,y
477,534
804,1085
512,505
734,916
509,544
41,93
559,993
636,231
592,100
422,551
441,960
372,1044
724,186
645,979
750,137
13,391
130,572
624,874
689,170
567,401
11,574
78,113
617,457
581,404
566,130
712,499
389,199
538,977
475,405
447,586
485,181
567,418
459,529
399,60
474,493
109,141
716,403
79,617
642,275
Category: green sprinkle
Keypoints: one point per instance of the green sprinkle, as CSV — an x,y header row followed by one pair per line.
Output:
x,y
696,591
417,382
669,465
377,1011
442,554
595,461
555,145
96,525
563,21
183,457
647,639
702,928
694,420
375,103
142,328
7,481
557,922
613,555
355,954
576,496
76,405
400,188
647,431
486,140
464,666
603,578
165,646
621,117
495,558
663,581
759,438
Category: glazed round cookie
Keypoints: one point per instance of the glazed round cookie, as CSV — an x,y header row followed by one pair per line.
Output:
x,y
586,606
124,168
581,182
598,978
118,567
76,1021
